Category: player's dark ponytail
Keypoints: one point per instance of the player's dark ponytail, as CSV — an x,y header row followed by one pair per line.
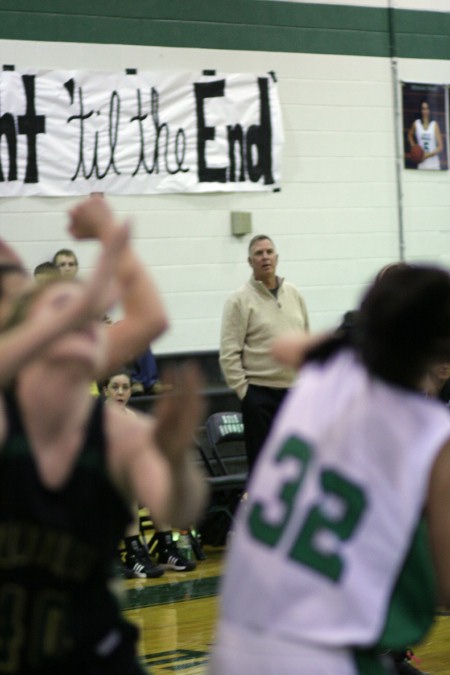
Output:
x,y
404,324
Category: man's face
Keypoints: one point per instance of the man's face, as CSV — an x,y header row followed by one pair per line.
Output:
x,y
67,266
263,259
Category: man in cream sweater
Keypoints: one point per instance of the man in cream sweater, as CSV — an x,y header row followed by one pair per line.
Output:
x,y
265,307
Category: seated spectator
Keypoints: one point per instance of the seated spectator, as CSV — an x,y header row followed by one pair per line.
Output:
x,y
45,272
67,263
145,375
137,561
437,382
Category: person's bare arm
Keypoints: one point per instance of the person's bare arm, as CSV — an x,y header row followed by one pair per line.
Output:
x,y
438,516
144,315
150,458
412,135
178,416
8,255
291,349
21,343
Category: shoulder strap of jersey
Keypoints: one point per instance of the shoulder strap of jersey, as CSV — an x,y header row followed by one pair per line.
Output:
x,y
13,416
95,439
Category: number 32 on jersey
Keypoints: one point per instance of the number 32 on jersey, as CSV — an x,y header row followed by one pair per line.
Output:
x,y
306,548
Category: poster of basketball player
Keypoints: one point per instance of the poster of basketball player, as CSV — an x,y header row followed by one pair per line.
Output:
x,y
424,126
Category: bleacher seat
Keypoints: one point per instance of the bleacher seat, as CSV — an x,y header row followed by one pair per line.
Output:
x,y
222,451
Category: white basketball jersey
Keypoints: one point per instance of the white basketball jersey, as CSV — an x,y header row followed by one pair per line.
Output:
x,y
334,509
426,138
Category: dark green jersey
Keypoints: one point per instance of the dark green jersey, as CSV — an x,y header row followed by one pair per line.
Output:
x,y
56,552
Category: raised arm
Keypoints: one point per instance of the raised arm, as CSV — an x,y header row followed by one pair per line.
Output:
x,y
144,314
8,255
291,349
21,343
178,417
150,458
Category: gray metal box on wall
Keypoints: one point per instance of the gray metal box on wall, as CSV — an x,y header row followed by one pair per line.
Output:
x,y
241,223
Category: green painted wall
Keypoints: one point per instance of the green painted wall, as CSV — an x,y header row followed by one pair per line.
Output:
x,y
237,24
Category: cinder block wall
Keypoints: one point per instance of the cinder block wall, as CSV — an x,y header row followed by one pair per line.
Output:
x,y
336,220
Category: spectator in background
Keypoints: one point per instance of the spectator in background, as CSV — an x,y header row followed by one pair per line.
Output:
x,y
137,561
45,272
437,381
67,263
144,373
264,308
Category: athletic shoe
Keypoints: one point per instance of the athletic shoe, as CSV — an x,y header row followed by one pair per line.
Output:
x,y
170,558
403,665
120,570
406,668
139,565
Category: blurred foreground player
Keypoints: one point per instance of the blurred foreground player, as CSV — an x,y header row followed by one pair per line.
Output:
x,y
344,543
70,466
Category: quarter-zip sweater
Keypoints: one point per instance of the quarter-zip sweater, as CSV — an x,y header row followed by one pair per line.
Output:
x,y
252,318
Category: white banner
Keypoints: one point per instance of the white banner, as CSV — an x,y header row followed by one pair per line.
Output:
x,y
74,132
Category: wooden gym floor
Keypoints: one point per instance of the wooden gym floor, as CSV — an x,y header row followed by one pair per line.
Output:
x,y
176,616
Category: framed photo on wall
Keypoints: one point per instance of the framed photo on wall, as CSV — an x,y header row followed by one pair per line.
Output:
x,y
424,126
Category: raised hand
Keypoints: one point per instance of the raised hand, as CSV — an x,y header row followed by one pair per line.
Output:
x,y
8,255
179,414
101,289
92,218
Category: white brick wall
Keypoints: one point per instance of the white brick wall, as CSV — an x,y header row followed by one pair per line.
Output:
x,y
335,221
